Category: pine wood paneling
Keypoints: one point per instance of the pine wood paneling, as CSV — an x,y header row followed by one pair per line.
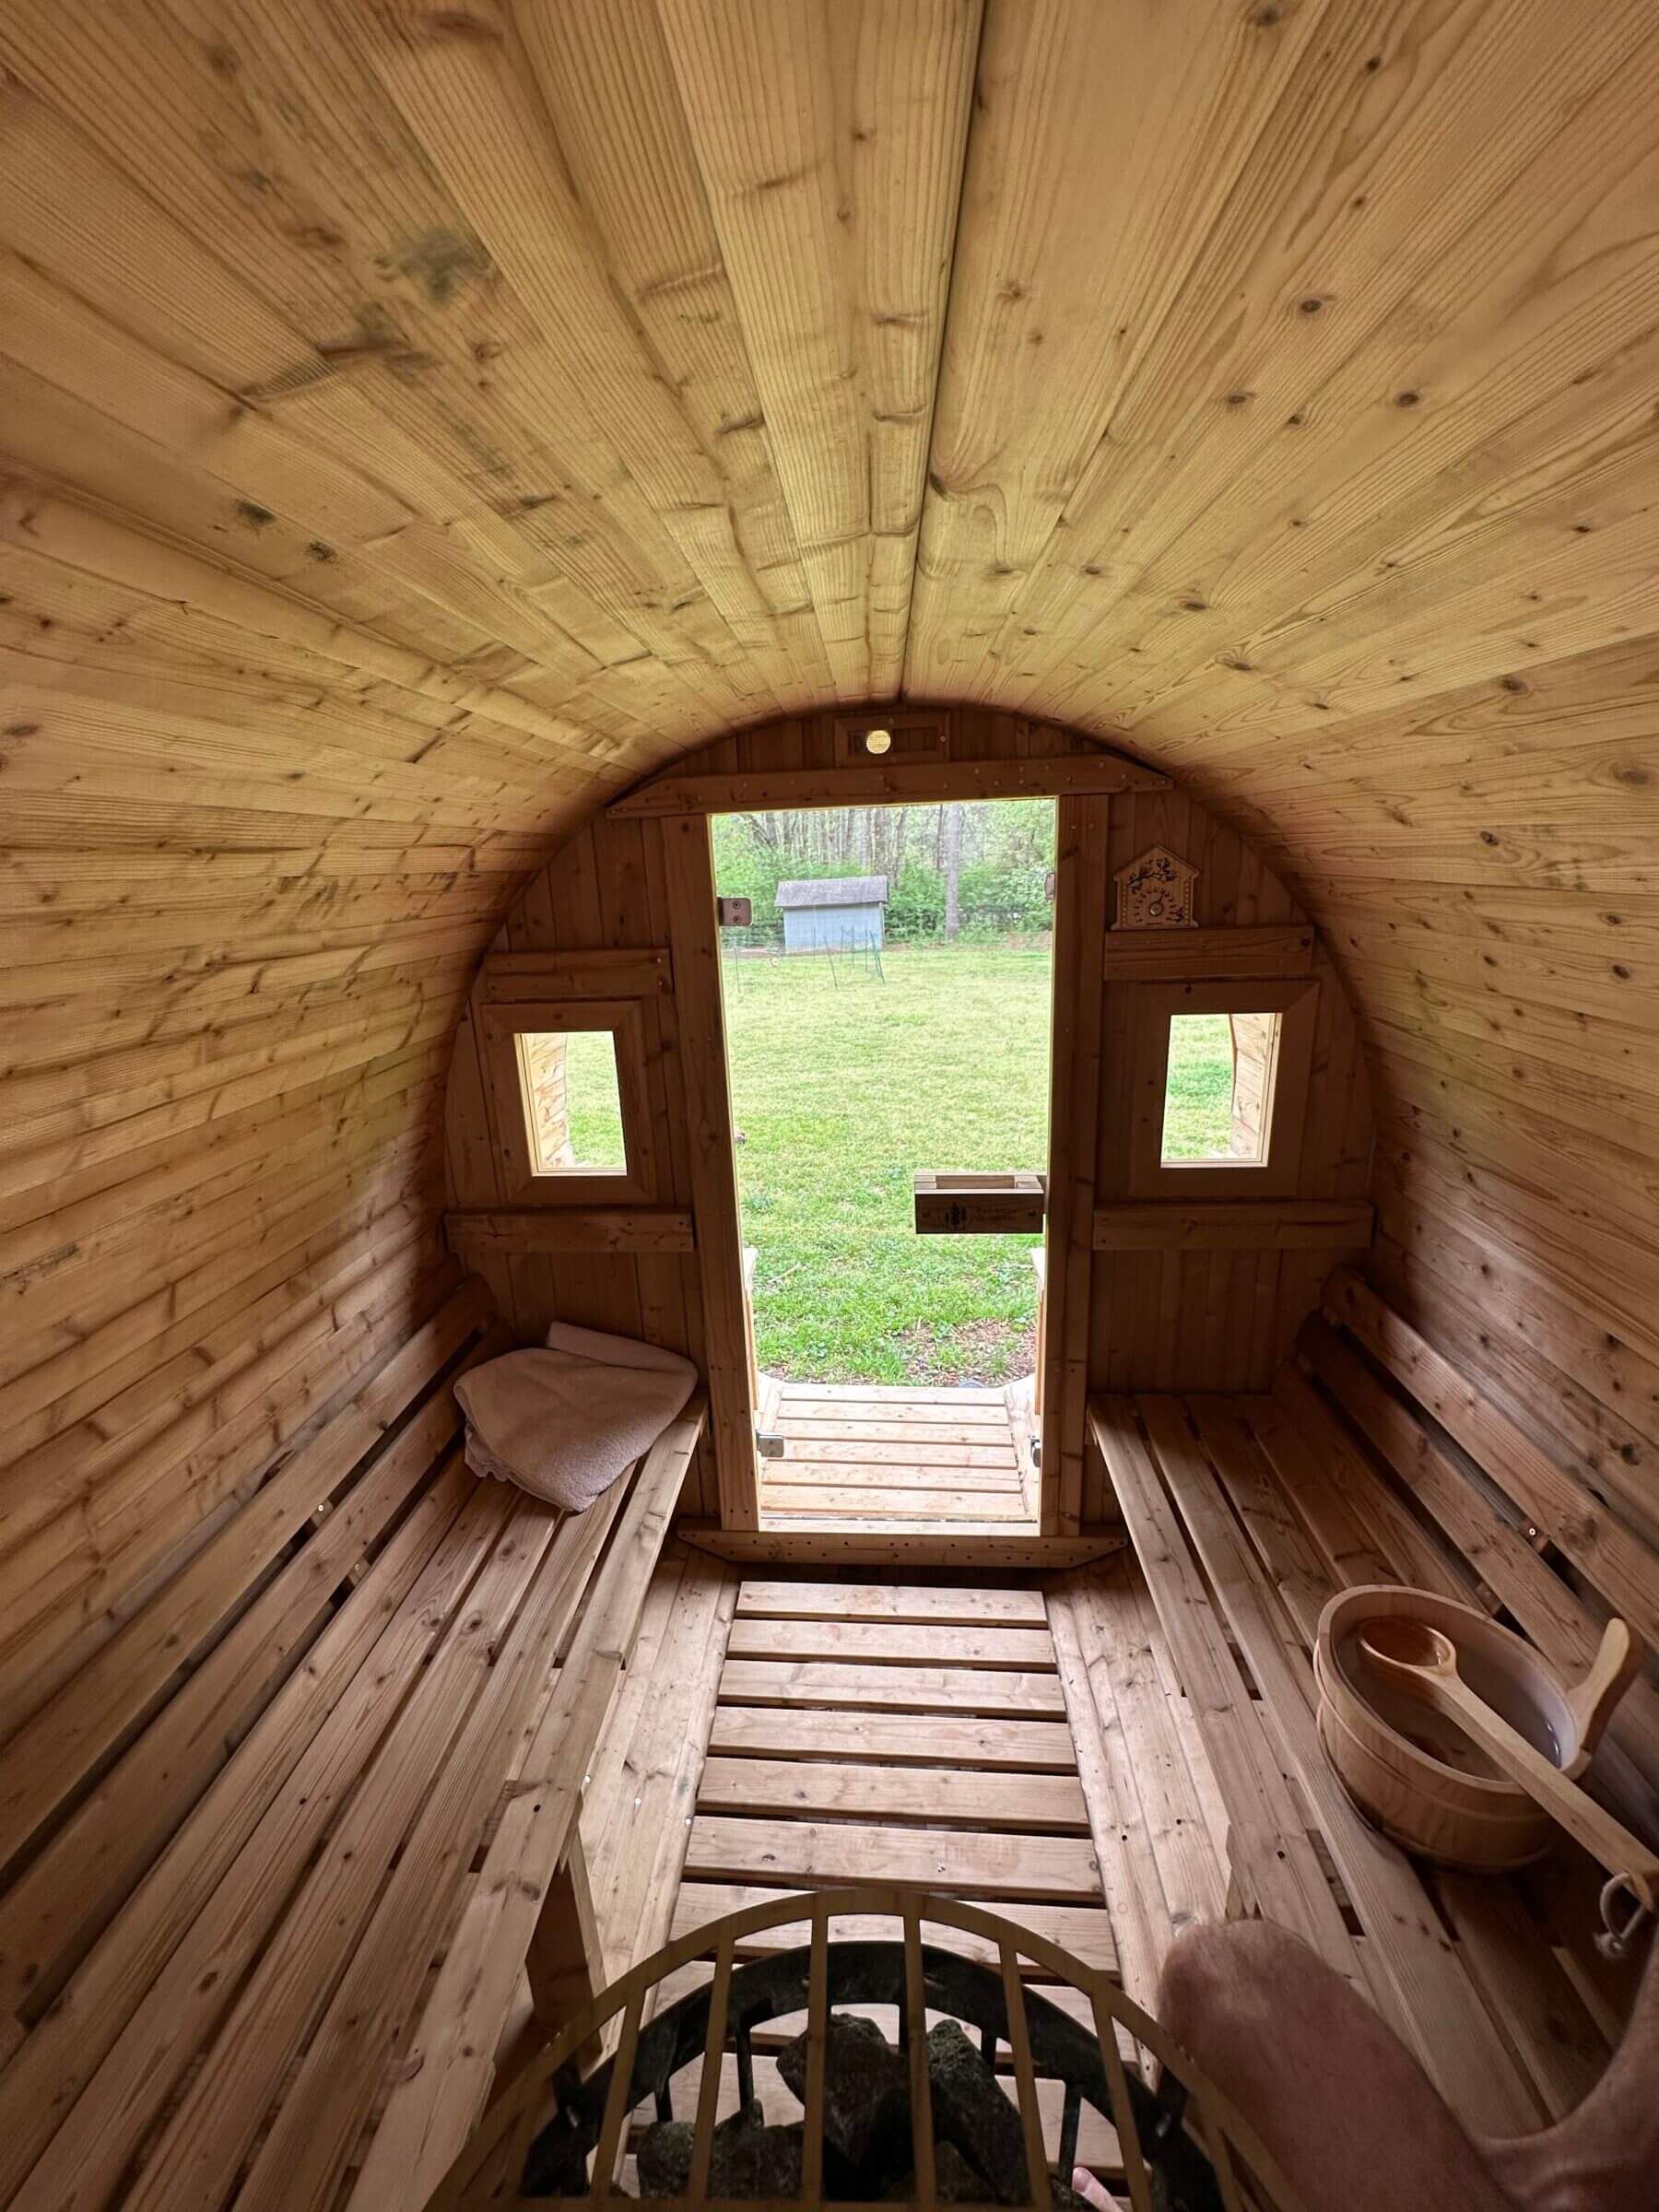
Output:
x,y
1223,1312
338,469
1175,1314
1489,870
416,427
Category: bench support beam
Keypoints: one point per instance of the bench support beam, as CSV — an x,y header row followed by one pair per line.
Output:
x,y
565,1964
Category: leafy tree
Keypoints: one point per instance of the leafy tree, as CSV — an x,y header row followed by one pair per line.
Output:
x,y
1001,852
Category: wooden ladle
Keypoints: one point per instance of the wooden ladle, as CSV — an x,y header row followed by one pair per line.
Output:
x,y
1423,1662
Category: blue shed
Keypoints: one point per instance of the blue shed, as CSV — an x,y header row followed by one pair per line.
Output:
x,y
837,914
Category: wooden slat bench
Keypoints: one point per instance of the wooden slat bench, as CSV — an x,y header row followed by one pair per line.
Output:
x,y
349,1735
1374,1461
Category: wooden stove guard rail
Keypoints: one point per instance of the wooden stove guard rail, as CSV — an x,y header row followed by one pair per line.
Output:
x,y
487,2171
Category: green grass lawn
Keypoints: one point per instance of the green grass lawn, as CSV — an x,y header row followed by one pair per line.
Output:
x,y
843,1086
1198,1094
594,1104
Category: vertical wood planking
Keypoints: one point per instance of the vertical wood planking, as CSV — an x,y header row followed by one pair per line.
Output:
x,y
695,938
674,1287
1204,1320
1169,1319
1080,931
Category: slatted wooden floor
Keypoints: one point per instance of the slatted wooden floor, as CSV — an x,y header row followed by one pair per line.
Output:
x,y
884,1733
858,1453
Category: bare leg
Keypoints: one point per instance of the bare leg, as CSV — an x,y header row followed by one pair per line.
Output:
x,y
1605,2156
1353,2121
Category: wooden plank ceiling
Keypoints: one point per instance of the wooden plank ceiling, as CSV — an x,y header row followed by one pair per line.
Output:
x,y
418,422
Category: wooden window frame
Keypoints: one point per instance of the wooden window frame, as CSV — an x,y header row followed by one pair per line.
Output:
x,y
1278,1173
501,1025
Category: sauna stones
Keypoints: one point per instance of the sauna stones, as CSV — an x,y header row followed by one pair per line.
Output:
x,y
971,2113
979,2154
979,2143
955,2182
746,2157
867,2090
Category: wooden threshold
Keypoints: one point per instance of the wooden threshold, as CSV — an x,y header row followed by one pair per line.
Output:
x,y
901,1543
857,1458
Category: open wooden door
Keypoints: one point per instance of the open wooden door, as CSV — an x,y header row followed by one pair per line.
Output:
x,y
1063,1201
694,941
839,759
1080,917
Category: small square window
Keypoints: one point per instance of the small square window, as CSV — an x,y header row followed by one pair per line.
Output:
x,y
567,1084
1218,1085
572,1101
1220,1078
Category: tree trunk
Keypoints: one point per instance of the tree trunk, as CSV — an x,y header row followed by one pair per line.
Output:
x,y
953,866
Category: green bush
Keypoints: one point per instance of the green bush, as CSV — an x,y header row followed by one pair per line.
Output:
x,y
915,905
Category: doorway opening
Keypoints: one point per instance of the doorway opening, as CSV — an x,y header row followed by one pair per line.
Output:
x,y
887,978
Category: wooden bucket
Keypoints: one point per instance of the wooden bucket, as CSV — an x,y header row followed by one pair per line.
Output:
x,y
1411,1771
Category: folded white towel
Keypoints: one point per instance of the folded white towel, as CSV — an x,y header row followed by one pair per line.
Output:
x,y
564,1422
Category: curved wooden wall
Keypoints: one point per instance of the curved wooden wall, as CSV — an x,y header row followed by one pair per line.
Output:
x,y
415,426
1486,868
1165,1309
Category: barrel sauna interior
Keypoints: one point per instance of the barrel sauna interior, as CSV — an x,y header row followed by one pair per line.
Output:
x,y
447,454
